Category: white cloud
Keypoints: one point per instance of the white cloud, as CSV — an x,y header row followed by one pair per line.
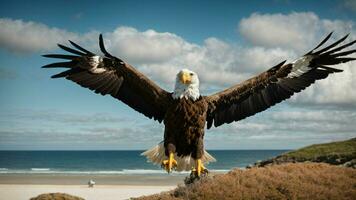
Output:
x,y
24,37
336,90
297,31
145,47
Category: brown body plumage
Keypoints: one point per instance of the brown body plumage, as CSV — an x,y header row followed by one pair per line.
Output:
x,y
184,127
184,111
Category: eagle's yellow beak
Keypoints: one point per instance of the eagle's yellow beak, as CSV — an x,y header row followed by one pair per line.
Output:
x,y
185,78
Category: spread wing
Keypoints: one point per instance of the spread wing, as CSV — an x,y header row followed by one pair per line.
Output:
x,y
110,75
276,84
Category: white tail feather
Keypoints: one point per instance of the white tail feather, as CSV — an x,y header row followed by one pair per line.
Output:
x,y
156,155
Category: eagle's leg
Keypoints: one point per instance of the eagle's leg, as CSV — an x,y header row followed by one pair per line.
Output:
x,y
170,163
199,169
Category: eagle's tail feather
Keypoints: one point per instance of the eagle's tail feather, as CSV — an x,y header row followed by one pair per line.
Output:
x,y
156,155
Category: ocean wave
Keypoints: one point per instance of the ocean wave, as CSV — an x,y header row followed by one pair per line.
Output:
x,y
220,170
40,169
101,172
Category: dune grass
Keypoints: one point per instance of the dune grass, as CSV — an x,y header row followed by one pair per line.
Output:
x,y
286,181
336,153
345,148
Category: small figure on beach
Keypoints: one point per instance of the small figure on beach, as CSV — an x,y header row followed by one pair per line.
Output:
x,y
91,183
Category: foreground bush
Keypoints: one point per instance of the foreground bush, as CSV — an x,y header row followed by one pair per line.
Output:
x,y
287,181
56,196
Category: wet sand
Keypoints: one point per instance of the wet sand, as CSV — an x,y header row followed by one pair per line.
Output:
x,y
63,179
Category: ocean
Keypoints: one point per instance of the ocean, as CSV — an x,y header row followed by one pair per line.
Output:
x,y
113,162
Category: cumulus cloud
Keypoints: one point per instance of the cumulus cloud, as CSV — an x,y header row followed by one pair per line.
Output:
x,y
297,31
336,90
27,36
145,47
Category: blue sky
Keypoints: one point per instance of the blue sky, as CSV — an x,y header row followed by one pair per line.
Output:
x,y
224,42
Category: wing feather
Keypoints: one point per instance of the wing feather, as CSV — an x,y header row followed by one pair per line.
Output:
x,y
68,57
70,64
110,75
81,49
276,84
71,50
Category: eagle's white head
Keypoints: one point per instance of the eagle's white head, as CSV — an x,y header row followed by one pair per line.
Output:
x,y
187,85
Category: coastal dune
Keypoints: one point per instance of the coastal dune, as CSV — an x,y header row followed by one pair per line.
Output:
x,y
286,181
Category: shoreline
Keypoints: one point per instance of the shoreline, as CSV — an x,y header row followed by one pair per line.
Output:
x,y
161,179
70,179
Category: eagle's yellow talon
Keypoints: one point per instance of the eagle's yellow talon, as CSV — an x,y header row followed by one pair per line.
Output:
x,y
199,169
169,164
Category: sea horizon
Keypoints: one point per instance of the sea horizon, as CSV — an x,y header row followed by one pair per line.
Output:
x,y
110,162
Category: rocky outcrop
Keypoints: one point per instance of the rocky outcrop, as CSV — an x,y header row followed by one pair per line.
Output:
x,y
330,159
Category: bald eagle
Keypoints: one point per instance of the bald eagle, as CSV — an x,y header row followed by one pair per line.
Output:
x,y
185,112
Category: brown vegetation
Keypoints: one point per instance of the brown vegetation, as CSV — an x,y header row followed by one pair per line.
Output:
x,y
56,196
286,181
335,153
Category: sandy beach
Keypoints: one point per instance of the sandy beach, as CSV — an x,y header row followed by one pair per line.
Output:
x,y
108,187
102,192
